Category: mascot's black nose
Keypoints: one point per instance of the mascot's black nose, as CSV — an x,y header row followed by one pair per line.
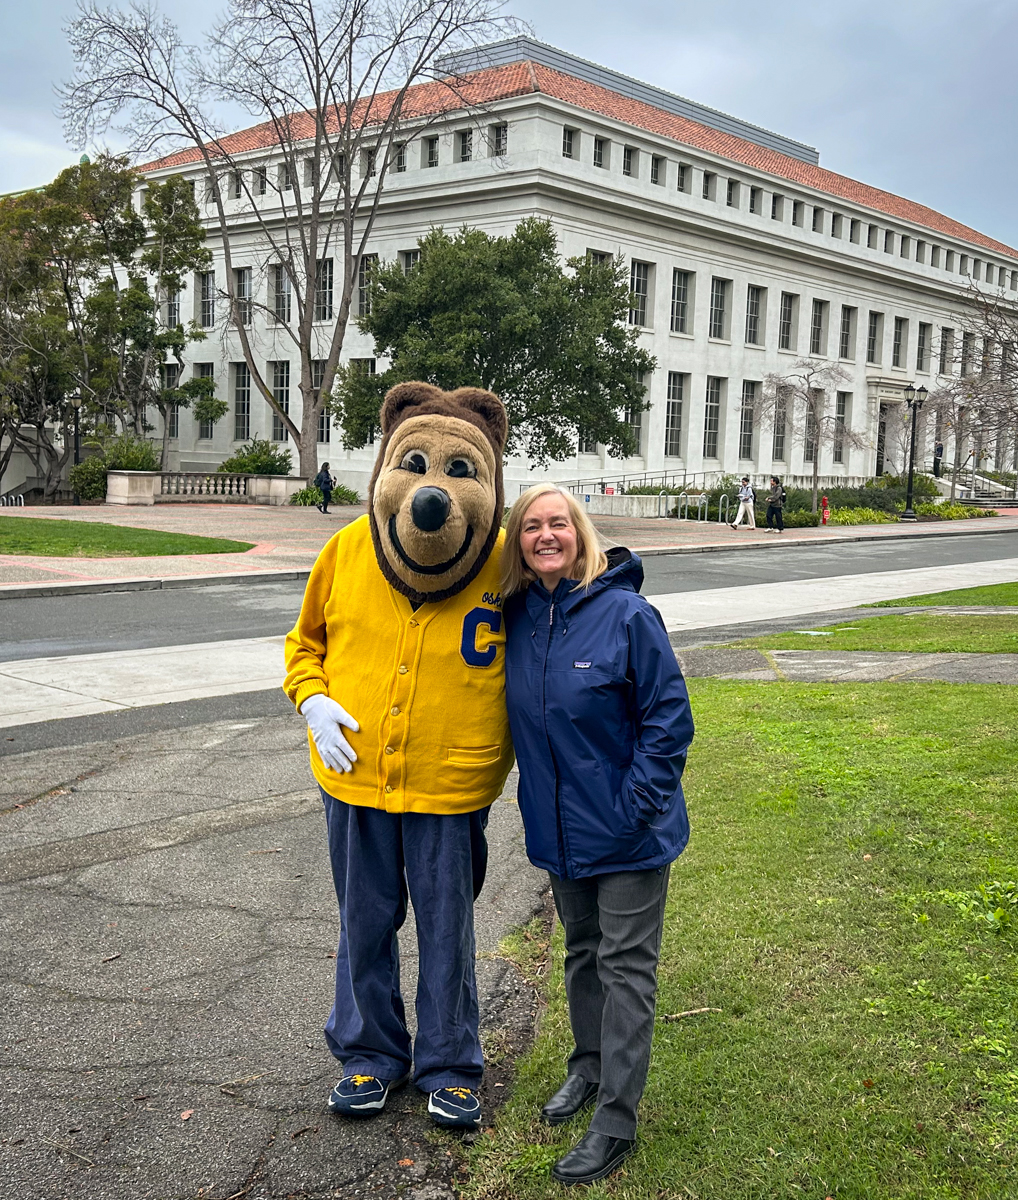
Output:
x,y
429,508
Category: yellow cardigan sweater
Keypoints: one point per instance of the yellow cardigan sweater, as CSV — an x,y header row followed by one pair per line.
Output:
x,y
427,687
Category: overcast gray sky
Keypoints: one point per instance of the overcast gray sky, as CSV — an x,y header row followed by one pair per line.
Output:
x,y
916,96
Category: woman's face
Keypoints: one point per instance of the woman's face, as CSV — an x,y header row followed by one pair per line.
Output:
x,y
548,539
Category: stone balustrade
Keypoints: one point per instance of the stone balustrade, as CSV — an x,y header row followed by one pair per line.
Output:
x,y
203,487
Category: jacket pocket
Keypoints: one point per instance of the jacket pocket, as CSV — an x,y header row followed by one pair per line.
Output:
x,y
474,756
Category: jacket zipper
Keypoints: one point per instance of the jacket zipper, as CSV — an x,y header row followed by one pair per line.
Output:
x,y
551,751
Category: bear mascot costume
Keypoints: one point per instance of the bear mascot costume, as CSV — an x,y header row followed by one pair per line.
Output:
x,y
400,644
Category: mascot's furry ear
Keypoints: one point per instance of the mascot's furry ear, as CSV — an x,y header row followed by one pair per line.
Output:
x,y
407,395
489,408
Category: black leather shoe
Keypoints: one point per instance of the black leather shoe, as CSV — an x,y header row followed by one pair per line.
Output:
x,y
593,1157
575,1094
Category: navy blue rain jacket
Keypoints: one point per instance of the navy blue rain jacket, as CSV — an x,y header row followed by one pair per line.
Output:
x,y
601,725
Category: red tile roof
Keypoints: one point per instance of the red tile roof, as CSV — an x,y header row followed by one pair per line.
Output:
x,y
500,83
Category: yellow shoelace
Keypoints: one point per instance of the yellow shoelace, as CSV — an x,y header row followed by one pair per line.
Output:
x,y
359,1079
460,1092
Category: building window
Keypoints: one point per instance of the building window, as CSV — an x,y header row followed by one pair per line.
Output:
x,y
754,315
685,174
889,241
968,341
280,283
718,308
310,172
732,196
977,268
399,162
365,273
174,414
818,328
236,185
846,341
170,377
241,402
205,370
598,258
207,299
1014,281
601,153
872,233
777,207
673,414
949,261
906,247
632,415
498,139
281,395
946,351
317,379
922,352
569,139
747,413
465,138
431,152
657,169
818,220
780,425
260,180
409,259
323,290
853,231
840,422
920,251
172,308
755,199
585,444
874,336
900,340
797,211
712,417
628,160
935,256
242,294
836,225
680,301
285,177
709,185
786,322
639,286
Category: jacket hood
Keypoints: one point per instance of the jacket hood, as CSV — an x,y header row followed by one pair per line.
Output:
x,y
625,572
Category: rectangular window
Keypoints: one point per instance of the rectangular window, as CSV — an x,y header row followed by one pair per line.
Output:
x,y
977,268
236,185
569,140
285,177
718,308
281,395
854,231
365,272
874,337
754,315
786,322
946,351
657,169
260,179
170,373
949,261
797,210
465,138
317,379
172,308
368,162
174,414
684,176
900,343
840,422
1014,281
935,256
846,340
836,225
777,207
709,185
310,172
205,370
498,140
585,444
968,342
599,257
780,426
712,417
818,328
889,241
628,160
409,259
906,247
680,301
639,286
241,402
431,152
673,414
872,233
922,352
399,161
632,415
323,290
920,251
281,293
747,414
732,194
818,220
755,199
207,299
600,158
242,294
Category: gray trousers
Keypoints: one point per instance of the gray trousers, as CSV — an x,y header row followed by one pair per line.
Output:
x,y
613,938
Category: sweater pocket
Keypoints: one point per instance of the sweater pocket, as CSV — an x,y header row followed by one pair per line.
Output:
x,y
474,756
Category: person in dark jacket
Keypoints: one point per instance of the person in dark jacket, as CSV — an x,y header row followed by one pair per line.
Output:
x,y
325,483
776,505
601,725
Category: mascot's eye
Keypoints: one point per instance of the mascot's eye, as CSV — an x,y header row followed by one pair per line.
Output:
x,y
460,468
415,461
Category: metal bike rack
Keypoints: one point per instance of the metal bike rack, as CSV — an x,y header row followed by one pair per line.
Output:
x,y
723,506
682,506
663,494
701,507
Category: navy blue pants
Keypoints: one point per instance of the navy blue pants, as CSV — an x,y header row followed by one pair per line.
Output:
x,y
378,859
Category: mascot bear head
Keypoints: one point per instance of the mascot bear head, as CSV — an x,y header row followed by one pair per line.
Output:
x,y
435,499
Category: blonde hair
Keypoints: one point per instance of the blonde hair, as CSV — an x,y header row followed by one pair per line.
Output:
x,y
591,560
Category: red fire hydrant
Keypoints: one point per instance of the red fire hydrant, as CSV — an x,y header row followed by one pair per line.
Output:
x,y
825,510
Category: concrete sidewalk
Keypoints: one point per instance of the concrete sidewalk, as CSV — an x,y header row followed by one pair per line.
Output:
x,y
289,539
846,666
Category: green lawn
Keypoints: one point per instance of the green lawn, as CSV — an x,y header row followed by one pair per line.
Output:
x,y
994,593
88,539
943,633
837,903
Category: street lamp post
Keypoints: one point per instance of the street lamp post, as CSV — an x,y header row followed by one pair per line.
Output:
x,y
914,399
76,404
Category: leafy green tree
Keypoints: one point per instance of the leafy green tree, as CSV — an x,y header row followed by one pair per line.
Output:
x,y
504,313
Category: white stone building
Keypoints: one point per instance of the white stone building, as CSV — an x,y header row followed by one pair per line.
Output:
x,y
746,256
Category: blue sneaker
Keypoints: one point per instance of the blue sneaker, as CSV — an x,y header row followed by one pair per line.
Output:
x,y
455,1108
362,1095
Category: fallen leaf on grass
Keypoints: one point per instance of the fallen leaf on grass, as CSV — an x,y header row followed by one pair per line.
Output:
x,y
867,1083
187,1114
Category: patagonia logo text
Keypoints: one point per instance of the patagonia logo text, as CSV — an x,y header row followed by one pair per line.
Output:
x,y
582,666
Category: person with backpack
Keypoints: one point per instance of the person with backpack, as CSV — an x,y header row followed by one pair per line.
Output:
x,y
325,483
775,505
747,498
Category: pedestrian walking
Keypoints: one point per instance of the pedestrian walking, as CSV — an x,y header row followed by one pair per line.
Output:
x,y
747,499
325,483
601,725
776,505
938,459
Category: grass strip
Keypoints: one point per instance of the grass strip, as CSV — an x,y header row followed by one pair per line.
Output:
x,y
93,539
843,901
991,594
929,633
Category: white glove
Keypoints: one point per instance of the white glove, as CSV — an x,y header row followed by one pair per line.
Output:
x,y
324,717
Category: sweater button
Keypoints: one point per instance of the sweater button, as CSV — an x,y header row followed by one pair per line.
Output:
x,y
402,669
412,624
389,750
394,711
388,787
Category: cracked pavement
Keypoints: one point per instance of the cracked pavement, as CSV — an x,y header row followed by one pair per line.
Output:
x,y
168,929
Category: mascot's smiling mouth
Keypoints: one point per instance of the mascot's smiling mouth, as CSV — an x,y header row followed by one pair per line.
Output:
x,y
421,568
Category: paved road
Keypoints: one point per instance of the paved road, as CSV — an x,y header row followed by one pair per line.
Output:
x,y
134,620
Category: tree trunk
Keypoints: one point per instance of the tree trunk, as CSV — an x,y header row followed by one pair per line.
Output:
x,y
816,472
307,445
164,460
